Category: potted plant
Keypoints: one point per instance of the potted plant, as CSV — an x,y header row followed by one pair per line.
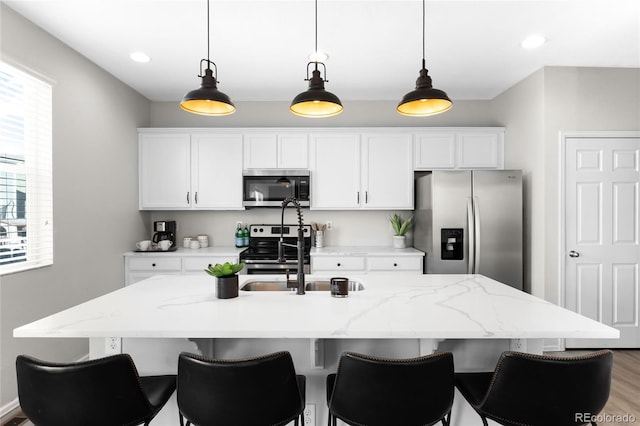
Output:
x,y
400,228
226,278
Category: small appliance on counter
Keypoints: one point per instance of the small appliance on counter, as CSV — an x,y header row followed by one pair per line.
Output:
x,y
165,230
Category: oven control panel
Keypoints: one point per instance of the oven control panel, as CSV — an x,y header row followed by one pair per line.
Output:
x,y
273,231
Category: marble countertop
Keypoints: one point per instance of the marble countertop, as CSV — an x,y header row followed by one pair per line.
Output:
x,y
420,306
364,251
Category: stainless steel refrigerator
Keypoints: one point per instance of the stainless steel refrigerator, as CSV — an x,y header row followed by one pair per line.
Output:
x,y
470,222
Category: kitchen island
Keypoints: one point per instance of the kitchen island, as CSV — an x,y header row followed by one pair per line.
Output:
x,y
396,316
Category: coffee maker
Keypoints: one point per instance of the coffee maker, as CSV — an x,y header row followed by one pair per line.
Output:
x,y
165,230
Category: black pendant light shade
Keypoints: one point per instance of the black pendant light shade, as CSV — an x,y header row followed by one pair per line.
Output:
x,y
316,102
208,100
425,100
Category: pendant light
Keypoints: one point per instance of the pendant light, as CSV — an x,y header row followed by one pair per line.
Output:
x,y
425,100
316,102
208,100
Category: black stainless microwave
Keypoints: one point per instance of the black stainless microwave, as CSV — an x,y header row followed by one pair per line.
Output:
x,y
269,187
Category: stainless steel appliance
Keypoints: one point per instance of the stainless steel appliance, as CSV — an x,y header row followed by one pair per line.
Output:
x,y
470,222
262,255
165,230
270,187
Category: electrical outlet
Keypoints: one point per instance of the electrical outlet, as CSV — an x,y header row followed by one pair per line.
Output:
x,y
517,345
113,345
329,224
310,415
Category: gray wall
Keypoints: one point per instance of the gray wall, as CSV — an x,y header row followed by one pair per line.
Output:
x,y
96,214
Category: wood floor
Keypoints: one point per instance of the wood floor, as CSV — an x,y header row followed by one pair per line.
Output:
x,y
624,399
625,387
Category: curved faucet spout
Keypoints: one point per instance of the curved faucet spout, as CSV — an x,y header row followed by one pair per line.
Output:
x,y
298,284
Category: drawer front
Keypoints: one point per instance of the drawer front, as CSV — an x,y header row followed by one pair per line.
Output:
x,y
155,264
337,263
199,264
400,263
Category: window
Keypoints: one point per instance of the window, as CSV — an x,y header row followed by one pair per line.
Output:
x,y
26,202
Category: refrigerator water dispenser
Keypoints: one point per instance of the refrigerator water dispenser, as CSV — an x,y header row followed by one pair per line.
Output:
x,y
451,243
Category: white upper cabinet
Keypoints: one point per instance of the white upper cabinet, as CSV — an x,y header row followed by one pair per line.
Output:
x,y
353,171
387,175
216,171
184,171
459,148
164,170
276,150
335,171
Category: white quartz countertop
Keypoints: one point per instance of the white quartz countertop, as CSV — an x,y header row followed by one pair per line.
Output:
x,y
182,252
364,251
420,306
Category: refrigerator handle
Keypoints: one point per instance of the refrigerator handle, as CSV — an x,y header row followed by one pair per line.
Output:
x,y
470,236
476,251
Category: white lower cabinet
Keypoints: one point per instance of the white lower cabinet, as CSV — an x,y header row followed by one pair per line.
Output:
x,y
356,264
138,267
197,265
338,264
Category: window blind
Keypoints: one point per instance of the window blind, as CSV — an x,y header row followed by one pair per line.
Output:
x,y
26,187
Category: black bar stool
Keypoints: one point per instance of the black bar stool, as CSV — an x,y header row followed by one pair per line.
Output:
x,y
540,390
249,392
371,391
101,392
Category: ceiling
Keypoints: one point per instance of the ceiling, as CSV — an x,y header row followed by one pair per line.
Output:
x,y
261,47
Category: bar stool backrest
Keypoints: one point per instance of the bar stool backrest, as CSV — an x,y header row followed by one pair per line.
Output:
x,y
255,391
381,392
100,392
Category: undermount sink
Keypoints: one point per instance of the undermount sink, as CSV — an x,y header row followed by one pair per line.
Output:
x,y
264,285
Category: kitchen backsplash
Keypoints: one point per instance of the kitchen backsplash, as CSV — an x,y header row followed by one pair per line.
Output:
x,y
350,228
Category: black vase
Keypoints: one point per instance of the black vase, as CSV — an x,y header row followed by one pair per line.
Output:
x,y
227,287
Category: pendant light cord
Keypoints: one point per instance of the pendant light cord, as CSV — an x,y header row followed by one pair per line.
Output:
x,y
316,42
423,33
208,36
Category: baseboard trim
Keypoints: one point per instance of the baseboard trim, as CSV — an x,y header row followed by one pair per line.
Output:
x,y
8,408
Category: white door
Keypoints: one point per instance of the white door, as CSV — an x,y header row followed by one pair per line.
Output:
x,y
601,251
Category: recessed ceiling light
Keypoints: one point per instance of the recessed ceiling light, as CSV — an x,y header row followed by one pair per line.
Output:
x,y
318,57
533,41
141,57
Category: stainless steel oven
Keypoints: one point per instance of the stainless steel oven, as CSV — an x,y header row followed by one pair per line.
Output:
x,y
269,187
261,257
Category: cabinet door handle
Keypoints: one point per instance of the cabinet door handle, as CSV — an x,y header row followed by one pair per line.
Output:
x,y
358,197
339,264
196,197
153,264
395,265
366,197
187,197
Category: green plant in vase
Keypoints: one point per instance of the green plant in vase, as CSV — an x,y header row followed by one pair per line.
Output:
x,y
226,278
400,227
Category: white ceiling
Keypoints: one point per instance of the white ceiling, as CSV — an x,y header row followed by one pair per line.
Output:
x,y
261,47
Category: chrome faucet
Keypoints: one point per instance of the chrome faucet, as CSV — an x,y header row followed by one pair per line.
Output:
x,y
298,284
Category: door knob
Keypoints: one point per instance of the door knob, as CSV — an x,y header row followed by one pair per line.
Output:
x,y
574,253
